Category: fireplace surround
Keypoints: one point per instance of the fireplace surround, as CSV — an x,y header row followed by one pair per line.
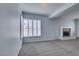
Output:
x,y
66,32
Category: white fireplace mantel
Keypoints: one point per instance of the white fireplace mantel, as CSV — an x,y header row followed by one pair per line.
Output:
x,y
65,38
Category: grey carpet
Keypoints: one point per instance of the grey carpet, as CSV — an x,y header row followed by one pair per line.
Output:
x,y
51,48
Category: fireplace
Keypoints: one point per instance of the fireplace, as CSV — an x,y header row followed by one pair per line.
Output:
x,y
66,32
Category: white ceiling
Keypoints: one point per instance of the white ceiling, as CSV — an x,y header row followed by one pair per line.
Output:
x,y
37,8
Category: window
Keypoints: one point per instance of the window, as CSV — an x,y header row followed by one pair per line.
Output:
x,y
32,27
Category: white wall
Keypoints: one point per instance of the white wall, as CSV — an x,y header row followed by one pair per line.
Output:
x,y
77,27
67,20
47,28
10,42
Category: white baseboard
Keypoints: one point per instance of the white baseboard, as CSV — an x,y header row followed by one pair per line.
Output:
x,y
38,40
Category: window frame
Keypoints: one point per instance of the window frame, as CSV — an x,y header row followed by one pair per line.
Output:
x,y
33,29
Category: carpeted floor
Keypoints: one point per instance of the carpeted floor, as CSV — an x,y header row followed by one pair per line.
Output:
x,y
51,48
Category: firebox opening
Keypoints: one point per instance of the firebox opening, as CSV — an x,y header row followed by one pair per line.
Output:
x,y
66,32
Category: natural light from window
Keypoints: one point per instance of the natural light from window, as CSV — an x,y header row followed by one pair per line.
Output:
x,y
32,28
